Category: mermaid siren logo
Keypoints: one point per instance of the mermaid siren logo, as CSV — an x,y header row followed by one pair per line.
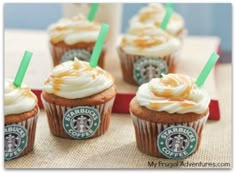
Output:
x,y
81,54
81,122
147,68
177,142
15,141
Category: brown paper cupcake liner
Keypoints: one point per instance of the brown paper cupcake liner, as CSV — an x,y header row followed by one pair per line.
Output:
x,y
57,53
55,114
146,133
30,126
128,62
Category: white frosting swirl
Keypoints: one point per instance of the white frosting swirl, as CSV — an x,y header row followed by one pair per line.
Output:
x,y
18,100
173,93
154,14
74,30
149,41
76,79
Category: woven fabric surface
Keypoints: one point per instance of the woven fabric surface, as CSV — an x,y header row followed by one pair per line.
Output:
x,y
117,148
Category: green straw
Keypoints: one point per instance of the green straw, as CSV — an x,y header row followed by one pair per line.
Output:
x,y
93,11
22,69
167,17
169,5
206,70
98,45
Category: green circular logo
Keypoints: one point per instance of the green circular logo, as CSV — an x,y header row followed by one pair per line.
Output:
x,y
177,142
146,68
15,141
81,122
83,55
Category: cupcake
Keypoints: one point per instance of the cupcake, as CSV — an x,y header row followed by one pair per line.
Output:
x,y
154,14
169,115
20,119
78,100
73,37
146,52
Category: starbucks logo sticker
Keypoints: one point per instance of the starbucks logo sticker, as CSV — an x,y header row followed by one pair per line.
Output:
x,y
177,142
15,141
145,69
81,122
83,55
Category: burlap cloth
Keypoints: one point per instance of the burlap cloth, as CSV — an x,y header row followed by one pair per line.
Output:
x,y
117,148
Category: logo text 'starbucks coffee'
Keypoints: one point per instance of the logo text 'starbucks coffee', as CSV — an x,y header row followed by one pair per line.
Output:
x,y
145,69
177,142
81,122
83,55
15,141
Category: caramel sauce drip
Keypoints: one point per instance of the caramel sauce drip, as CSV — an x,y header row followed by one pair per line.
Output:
x,y
157,24
144,16
78,29
173,82
58,79
145,43
56,84
147,15
123,42
155,106
186,105
27,93
60,36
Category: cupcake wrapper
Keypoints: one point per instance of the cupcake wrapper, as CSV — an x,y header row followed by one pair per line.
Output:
x,y
147,132
57,53
127,65
55,114
30,126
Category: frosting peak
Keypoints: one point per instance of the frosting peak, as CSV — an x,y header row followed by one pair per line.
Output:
x,y
173,93
172,86
76,79
153,14
18,100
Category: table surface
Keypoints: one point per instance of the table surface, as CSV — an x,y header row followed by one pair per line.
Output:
x,y
117,147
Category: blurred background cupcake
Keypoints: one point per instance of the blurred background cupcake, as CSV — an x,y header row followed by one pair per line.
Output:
x,y
169,115
154,13
146,52
74,37
78,100
21,113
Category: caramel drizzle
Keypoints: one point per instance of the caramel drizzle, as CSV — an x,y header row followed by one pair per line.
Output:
x,y
78,29
173,82
74,72
60,36
150,13
145,43
154,11
156,106
24,92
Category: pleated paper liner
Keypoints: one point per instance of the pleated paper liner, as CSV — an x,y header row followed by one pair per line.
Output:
x,y
55,115
30,126
146,133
